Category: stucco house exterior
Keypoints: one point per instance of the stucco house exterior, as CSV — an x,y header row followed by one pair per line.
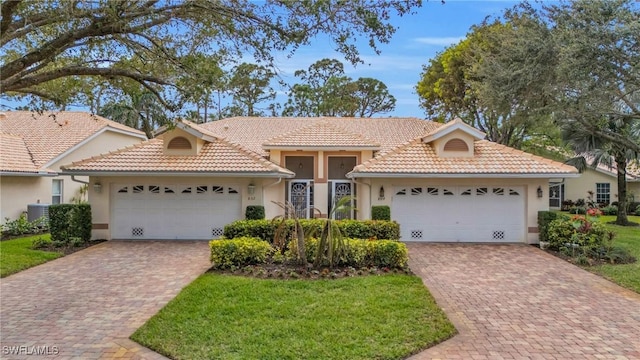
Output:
x,y
442,182
34,145
602,181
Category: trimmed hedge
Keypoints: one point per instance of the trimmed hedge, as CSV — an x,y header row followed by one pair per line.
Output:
x,y
254,212
68,221
382,212
242,251
544,219
265,229
359,253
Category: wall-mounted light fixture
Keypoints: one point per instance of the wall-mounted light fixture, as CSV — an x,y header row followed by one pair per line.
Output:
x,y
300,166
342,165
381,193
251,189
539,191
97,187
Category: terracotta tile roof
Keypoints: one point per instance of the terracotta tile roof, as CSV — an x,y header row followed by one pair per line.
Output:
x,y
215,157
416,157
633,168
15,155
321,134
50,134
253,132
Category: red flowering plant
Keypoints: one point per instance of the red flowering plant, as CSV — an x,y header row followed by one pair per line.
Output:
x,y
594,212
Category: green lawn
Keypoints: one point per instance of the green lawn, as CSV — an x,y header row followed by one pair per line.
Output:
x,y
232,317
17,255
627,275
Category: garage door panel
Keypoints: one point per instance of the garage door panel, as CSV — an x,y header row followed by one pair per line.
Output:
x,y
172,211
460,213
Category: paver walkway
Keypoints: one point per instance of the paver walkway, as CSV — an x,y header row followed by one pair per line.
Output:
x,y
87,304
518,302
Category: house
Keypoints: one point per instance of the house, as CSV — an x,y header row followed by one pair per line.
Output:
x,y
601,180
442,182
33,146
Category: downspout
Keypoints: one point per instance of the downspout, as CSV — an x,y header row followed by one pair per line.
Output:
x,y
73,178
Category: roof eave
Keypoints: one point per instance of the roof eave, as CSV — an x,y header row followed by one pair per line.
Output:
x,y
177,173
353,175
320,148
28,173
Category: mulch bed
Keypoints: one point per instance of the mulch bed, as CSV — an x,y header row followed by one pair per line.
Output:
x,y
66,250
592,262
285,272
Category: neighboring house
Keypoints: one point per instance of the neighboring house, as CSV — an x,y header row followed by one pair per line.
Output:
x,y
602,181
442,182
33,146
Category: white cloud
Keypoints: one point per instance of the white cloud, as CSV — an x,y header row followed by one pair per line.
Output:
x,y
438,41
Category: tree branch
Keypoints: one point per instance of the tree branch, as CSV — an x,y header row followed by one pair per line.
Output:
x,y
7,8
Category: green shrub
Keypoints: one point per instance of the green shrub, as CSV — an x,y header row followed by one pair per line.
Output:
x,y
619,255
81,221
638,210
265,229
360,253
586,235
20,226
382,212
40,243
254,212
68,221
610,210
60,222
578,210
633,206
544,218
242,251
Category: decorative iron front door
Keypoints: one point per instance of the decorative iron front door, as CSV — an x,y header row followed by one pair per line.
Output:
x,y
300,196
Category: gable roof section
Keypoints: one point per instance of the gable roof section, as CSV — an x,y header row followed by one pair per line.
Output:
x,y
218,157
253,132
417,159
50,135
320,135
451,126
633,168
16,157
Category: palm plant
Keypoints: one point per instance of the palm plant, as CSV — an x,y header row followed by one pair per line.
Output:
x,y
282,234
142,111
331,241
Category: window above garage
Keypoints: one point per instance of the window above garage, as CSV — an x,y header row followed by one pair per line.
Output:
x,y
454,139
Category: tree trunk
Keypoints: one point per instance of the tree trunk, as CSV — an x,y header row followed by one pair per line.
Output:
x,y
621,164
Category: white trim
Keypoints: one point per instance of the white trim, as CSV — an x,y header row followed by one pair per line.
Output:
x,y
24,173
477,134
191,131
453,175
89,138
319,148
177,173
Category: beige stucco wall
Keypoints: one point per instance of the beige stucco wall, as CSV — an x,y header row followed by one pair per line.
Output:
x,y
577,188
533,204
16,192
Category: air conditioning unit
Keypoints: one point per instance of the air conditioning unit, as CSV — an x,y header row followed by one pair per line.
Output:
x,y
36,211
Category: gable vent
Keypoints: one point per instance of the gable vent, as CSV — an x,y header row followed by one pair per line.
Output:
x,y
179,143
456,145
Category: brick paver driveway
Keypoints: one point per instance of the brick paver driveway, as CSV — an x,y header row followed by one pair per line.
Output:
x,y
517,302
87,304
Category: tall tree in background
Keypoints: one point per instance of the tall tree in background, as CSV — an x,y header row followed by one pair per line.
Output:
x,y
140,110
326,91
480,80
249,86
48,45
598,77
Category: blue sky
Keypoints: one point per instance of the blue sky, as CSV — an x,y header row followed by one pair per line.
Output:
x,y
419,38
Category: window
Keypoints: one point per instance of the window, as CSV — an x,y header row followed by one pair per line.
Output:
x,y
603,193
56,192
179,143
456,145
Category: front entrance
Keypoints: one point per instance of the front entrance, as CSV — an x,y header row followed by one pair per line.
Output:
x,y
556,195
301,197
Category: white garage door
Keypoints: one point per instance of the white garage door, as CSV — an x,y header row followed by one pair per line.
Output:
x,y
170,211
460,213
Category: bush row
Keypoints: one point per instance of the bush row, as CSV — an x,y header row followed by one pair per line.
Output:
x,y
544,219
265,229
69,221
243,251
